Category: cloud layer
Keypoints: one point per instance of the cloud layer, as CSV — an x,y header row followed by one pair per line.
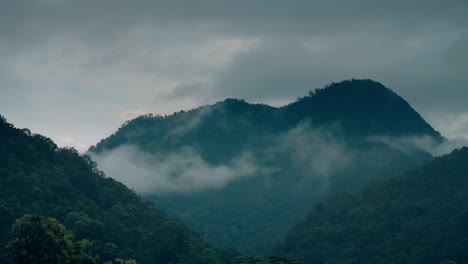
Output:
x,y
78,69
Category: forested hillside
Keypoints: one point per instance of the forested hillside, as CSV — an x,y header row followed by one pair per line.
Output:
x,y
240,173
420,217
38,178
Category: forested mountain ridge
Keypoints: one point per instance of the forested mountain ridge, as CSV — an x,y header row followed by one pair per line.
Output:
x,y
37,177
358,107
239,173
419,217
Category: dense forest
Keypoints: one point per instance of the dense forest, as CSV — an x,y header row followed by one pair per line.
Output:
x,y
304,183
260,163
64,191
419,217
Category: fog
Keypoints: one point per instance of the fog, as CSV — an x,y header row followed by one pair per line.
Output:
x,y
180,171
408,144
306,151
309,151
313,151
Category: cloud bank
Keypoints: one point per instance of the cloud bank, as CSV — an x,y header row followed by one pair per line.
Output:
x,y
73,66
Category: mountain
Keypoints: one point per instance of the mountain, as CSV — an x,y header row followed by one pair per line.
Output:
x,y
362,108
419,217
242,174
37,177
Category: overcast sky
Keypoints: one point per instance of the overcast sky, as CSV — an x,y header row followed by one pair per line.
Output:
x,y
76,70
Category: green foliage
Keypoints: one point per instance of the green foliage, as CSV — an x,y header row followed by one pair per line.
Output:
x,y
37,239
122,261
420,217
260,260
81,252
108,220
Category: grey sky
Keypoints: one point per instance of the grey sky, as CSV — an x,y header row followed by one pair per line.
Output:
x,y
75,70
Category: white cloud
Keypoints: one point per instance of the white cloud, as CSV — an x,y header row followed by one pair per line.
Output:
x,y
452,125
180,171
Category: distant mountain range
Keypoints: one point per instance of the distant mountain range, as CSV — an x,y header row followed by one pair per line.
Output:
x,y
242,174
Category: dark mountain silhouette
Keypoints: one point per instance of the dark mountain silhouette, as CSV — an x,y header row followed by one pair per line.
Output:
x,y
362,108
242,174
420,217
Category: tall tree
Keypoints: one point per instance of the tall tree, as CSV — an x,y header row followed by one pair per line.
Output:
x,y
36,239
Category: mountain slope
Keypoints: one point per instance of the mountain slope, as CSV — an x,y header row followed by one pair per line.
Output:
x,y
36,177
420,217
239,173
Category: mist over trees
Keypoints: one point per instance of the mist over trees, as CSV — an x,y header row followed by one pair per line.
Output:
x,y
240,173
343,175
419,217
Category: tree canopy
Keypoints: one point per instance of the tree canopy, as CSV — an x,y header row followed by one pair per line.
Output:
x,y
37,239
38,178
420,217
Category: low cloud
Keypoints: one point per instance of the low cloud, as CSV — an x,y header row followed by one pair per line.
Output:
x,y
180,171
315,152
189,121
451,125
410,144
304,152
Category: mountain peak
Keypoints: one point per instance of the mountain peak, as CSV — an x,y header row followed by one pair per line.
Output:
x,y
356,85
359,93
362,107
